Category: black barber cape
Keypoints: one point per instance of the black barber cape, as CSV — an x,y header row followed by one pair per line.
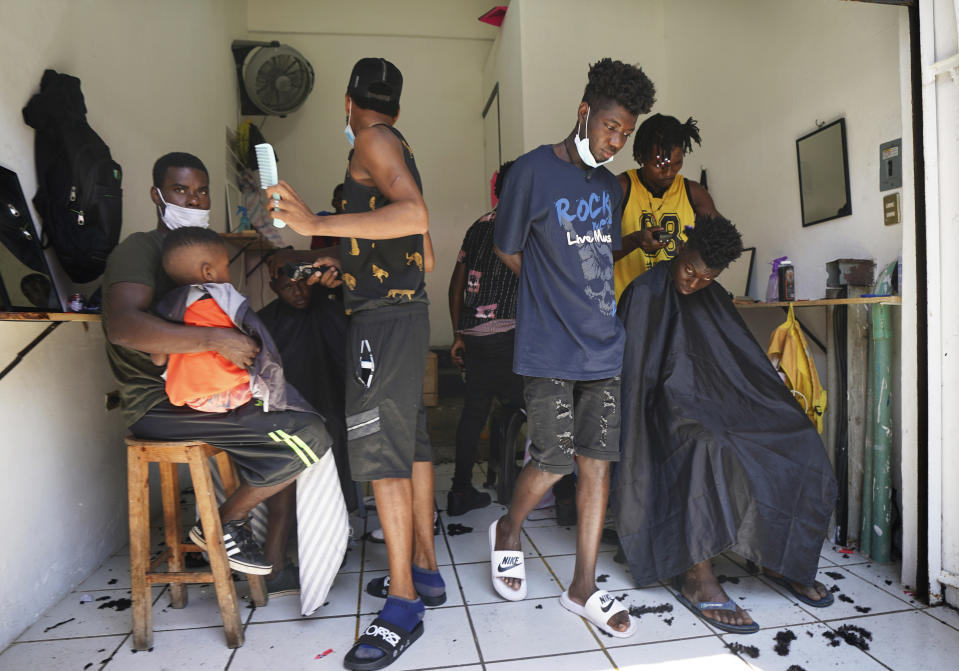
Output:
x,y
716,453
312,344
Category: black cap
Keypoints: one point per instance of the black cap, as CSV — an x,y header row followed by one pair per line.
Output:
x,y
375,79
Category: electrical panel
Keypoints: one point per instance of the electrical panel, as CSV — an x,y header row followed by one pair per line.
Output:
x,y
890,165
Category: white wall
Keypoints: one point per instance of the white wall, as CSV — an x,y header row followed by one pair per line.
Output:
x,y
561,38
504,66
757,76
64,487
909,416
413,18
940,100
441,49
157,77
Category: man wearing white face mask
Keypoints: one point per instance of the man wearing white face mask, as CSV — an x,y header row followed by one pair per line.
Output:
x,y
175,215
133,282
557,227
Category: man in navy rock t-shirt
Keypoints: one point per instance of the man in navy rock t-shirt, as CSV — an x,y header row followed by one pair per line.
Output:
x,y
557,227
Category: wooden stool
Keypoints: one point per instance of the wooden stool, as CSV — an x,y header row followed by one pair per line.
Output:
x,y
142,574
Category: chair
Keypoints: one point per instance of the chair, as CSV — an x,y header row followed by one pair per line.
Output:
x,y
143,573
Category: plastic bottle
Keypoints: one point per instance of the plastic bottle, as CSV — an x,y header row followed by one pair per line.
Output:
x,y
244,219
787,281
772,288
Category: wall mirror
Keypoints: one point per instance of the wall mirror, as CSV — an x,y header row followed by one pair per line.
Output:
x,y
25,280
824,174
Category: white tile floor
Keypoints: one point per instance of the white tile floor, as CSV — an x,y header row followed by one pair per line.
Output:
x,y
477,630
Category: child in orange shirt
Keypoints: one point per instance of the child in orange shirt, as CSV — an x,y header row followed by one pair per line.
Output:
x,y
204,381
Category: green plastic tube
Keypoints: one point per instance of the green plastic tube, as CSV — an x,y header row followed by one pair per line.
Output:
x,y
882,435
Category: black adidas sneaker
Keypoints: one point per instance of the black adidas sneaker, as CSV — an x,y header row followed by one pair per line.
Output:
x,y
243,553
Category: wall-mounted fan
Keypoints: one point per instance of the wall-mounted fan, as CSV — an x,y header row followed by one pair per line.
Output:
x,y
273,78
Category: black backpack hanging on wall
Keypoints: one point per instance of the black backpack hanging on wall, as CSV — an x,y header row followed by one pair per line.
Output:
x,y
79,199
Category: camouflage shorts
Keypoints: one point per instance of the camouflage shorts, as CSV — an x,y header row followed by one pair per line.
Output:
x,y
571,417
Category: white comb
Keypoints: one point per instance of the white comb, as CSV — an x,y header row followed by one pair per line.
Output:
x,y
266,162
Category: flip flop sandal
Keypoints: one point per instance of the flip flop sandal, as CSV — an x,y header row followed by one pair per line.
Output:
x,y
382,635
782,581
698,608
380,588
600,607
506,564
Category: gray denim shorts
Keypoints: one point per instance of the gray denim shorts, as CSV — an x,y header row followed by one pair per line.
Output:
x,y
570,417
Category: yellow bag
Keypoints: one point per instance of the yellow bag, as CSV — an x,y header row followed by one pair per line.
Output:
x,y
790,355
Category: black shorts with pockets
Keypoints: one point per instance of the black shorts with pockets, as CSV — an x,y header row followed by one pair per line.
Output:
x,y
385,416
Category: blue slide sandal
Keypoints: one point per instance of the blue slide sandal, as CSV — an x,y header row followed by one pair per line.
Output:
x,y
698,608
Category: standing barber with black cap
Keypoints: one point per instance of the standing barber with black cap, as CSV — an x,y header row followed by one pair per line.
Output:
x,y
383,254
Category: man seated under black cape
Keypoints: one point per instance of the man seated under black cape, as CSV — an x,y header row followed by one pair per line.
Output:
x,y
309,327
716,453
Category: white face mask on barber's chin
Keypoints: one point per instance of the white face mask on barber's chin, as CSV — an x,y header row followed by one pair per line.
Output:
x,y
175,216
582,148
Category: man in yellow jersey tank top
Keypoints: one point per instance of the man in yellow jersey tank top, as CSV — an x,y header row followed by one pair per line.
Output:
x,y
658,198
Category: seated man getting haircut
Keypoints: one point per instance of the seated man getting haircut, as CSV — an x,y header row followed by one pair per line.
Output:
x,y
309,328
716,453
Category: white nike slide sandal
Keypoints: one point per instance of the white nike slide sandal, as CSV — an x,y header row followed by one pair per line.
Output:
x,y
506,564
599,608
